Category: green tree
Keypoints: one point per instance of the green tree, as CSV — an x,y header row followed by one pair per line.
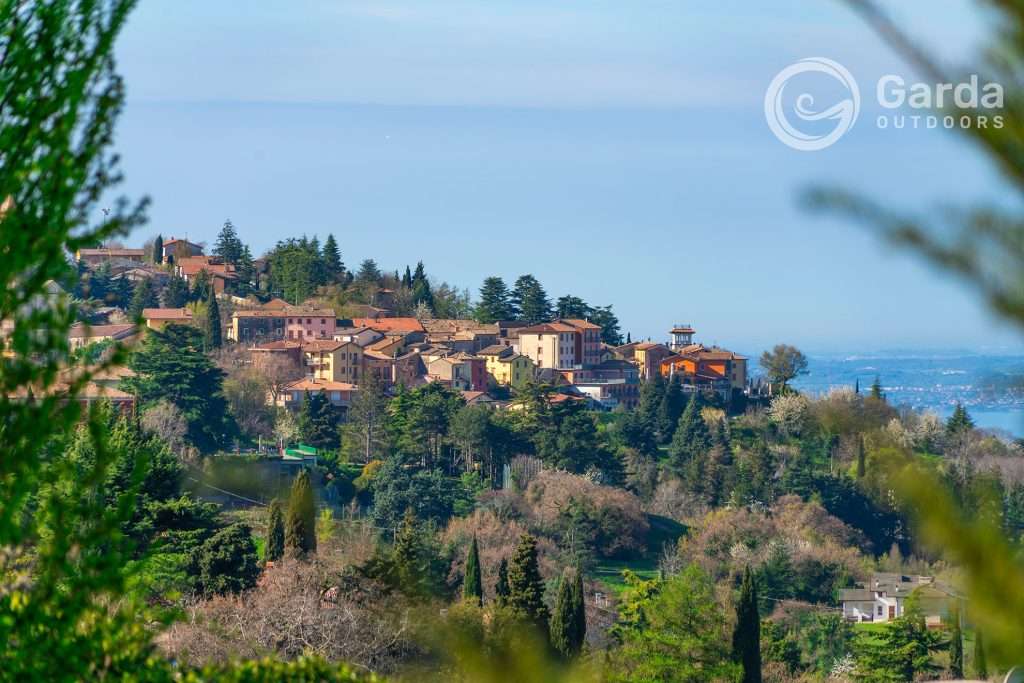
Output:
x,y
300,521
529,301
319,421
861,458
211,329
904,651
414,564
980,662
364,434
609,323
494,302
158,250
274,548
228,246
673,402
227,561
525,585
333,265
472,584
369,273
956,643
746,637
671,630
176,293
145,296
568,621
783,364
569,306
501,584
691,440
170,365
876,390
959,422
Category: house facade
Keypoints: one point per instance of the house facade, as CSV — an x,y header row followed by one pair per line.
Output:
x,y
176,249
158,318
883,598
293,323
336,361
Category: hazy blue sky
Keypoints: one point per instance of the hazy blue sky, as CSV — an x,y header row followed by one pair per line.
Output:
x,y
616,150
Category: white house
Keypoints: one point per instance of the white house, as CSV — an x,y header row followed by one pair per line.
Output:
x,y
883,598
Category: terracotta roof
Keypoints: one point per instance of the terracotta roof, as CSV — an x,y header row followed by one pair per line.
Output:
x,y
495,350
174,240
166,314
405,325
80,331
513,358
547,328
307,384
292,311
581,324
275,304
319,345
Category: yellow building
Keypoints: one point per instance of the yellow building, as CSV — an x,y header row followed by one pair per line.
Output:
x,y
506,367
157,318
334,361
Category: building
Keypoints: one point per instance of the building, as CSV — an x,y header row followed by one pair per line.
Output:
x,y
883,598
82,335
506,367
410,329
158,318
681,336
263,354
702,365
587,339
461,335
95,257
364,336
295,323
336,361
338,393
222,275
406,369
549,345
646,356
176,249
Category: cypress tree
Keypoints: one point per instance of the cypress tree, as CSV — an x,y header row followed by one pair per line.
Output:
x,y
956,644
212,331
501,586
876,390
412,565
300,522
629,338
472,585
746,638
331,255
275,533
569,622
670,410
861,462
158,250
980,665
525,586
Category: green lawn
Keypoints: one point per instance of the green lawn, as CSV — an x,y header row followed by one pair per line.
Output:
x,y
609,572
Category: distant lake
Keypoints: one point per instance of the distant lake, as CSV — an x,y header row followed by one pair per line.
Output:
x,y
990,386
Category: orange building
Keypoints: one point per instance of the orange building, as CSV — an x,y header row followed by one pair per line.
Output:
x,y
701,365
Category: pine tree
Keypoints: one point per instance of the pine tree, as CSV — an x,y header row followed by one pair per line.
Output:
x,y
746,638
956,643
201,286
876,390
501,585
412,564
691,440
319,422
158,250
212,333
143,297
530,301
525,585
334,268
472,584
980,665
494,301
300,522
959,422
568,622
176,293
275,532
369,273
652,391
671,409
861,459
228,246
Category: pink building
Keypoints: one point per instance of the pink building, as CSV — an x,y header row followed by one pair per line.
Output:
x,y
309,324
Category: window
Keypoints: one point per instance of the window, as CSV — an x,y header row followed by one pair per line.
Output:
x,y
879,610
289,321
323,321
309,321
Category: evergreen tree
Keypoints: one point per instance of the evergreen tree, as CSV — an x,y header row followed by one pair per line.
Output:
x,y
158,250
525,585
412,563
300,521
652,391
228,246
274,549
472,584
334,268
201,286
876,390
364,433
959,422
212,331
145,296
369,273
609,322
494,302
176,293
956,644
671,409
746,638
570,306
861,458
629,338
421,292
501,585
568,621
407,278
529,300
691,440
318,421
980,664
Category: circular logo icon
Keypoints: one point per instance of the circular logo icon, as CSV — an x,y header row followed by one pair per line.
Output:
x,y
844,112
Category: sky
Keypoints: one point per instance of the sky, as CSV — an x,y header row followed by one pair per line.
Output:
x,y
617,151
